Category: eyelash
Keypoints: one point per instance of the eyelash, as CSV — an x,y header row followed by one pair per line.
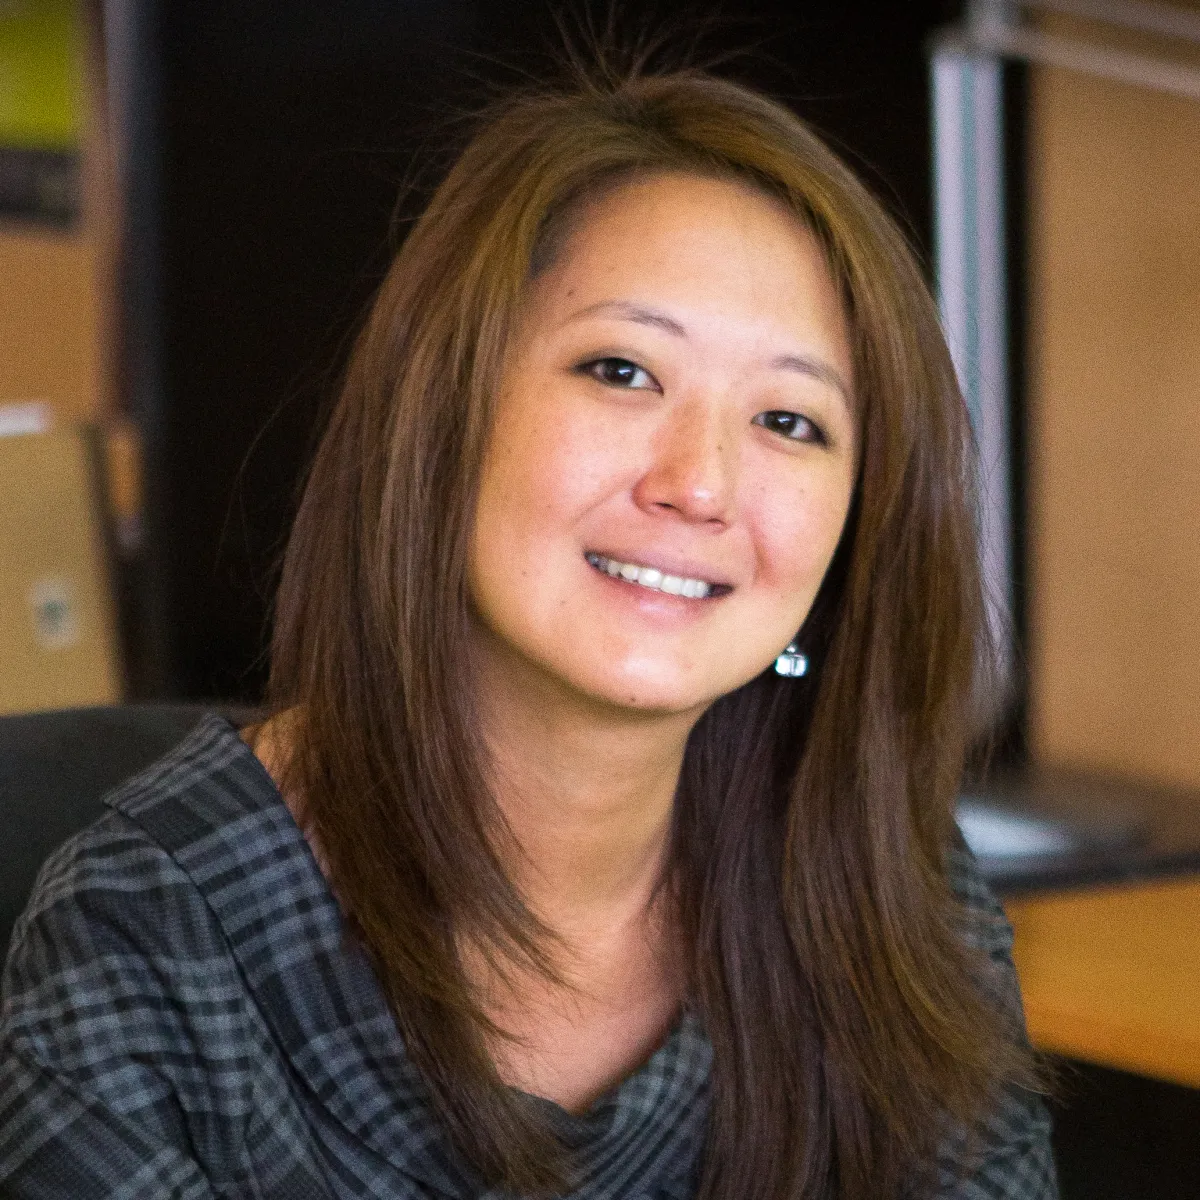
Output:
x,y
593,367
768,420
765,419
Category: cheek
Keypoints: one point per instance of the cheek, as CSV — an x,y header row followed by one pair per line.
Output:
x,y
552,460
798,531
549,463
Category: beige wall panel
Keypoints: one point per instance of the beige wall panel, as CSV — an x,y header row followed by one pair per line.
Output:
x,y
1114,428
50,336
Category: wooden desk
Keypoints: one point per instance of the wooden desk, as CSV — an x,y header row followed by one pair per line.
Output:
x,y
1111,975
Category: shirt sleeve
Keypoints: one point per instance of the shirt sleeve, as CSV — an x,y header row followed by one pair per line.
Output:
x,y
110,993
1009,1157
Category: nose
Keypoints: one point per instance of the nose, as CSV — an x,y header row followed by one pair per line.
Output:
x,y
692,469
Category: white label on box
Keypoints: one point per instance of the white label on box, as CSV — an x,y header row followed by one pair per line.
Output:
x,y
55,616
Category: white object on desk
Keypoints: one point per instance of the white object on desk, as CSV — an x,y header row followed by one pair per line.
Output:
x,y
991,832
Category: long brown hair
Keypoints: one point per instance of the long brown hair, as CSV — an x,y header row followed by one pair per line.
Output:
x,y
813,818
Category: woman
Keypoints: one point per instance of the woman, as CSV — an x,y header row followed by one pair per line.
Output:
x,y
622,667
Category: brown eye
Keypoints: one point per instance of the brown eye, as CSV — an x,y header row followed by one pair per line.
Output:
x,y
790,425
620,373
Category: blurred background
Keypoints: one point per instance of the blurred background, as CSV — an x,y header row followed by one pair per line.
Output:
x,y
197,201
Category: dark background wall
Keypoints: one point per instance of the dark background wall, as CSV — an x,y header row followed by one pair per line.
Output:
x,y
269,145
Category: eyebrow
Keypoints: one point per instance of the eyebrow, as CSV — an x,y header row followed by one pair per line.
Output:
x,y
801,364
814,368
637,313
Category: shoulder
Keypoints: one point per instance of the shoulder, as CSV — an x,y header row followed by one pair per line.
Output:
x,y
121,914
1008,1157
983,923
134,945
986,932
108,888
141,870
128,1011
150,900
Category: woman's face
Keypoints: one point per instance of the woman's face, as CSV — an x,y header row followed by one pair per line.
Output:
x,y
673,453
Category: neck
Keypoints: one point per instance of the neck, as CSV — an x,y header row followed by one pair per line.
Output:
x,y
587,791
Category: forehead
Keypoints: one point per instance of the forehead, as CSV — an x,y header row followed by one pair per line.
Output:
x,y
725,256
634,203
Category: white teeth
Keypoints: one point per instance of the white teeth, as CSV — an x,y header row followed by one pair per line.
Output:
x,y
652,578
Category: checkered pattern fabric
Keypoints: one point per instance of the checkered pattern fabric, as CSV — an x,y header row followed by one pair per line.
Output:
x,y
183,1016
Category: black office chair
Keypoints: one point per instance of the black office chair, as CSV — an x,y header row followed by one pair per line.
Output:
x,y
55,768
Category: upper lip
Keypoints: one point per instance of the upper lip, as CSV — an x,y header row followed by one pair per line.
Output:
x,y
668,564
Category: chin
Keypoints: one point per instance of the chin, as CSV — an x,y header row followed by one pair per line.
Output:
x,y
651,692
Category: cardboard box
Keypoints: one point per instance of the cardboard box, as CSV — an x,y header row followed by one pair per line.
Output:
x,y
58,640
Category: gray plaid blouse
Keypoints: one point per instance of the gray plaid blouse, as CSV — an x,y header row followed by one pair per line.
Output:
x,y
182,1017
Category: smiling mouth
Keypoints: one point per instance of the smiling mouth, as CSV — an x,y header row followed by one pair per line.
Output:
x,y
655,580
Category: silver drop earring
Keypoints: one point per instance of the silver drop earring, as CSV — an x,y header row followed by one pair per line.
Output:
x,y
791,663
